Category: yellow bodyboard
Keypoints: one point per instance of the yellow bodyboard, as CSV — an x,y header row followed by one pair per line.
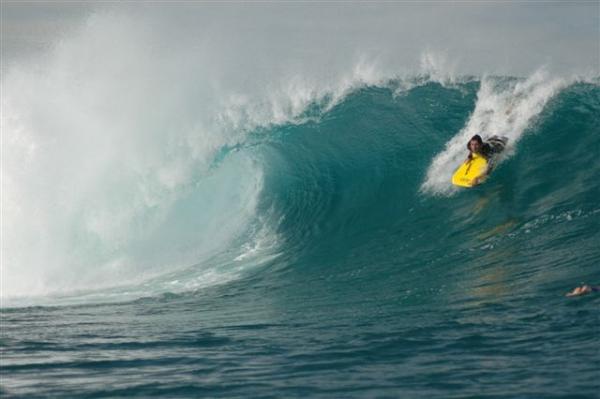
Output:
x,y
466,174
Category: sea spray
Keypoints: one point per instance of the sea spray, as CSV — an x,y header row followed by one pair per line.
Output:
x,y
97,171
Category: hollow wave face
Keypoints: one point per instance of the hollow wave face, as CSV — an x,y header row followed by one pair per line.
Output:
x,y
124,159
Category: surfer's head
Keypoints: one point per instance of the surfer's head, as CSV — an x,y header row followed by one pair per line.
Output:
x,y
475,143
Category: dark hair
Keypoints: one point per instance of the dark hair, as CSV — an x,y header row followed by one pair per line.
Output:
x,y
476,138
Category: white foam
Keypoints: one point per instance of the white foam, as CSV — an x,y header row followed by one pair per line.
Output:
x,y
505,108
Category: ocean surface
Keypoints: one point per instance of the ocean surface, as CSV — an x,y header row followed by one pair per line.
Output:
x,y
253,200
347,265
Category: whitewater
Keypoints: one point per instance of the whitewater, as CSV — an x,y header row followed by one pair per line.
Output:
x,y
193,206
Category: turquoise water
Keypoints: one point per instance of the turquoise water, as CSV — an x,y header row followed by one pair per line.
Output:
x,y
358,271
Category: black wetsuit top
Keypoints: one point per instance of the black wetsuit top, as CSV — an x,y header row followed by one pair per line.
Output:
x,y
486,150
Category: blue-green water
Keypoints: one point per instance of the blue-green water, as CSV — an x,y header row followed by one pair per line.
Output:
x,y
359,270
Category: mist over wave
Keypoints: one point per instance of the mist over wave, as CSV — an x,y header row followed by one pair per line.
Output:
x,y
114,170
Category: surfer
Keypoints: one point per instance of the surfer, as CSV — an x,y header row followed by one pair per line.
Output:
x,y
584,289
477,146
480,162
494,145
